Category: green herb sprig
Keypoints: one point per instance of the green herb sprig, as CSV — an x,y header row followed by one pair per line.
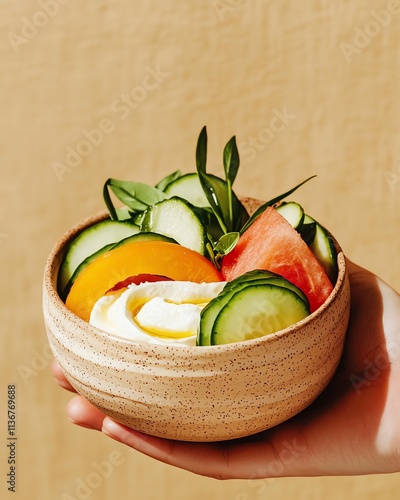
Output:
x,y
225,207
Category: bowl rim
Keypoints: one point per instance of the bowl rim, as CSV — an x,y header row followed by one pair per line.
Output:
x,y
51,293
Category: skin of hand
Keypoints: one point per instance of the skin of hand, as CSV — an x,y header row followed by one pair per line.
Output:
x,y
353,428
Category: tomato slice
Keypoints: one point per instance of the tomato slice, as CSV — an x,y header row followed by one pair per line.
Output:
x,y
151,257
272,244
139,278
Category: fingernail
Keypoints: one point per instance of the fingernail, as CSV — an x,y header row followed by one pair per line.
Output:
x,y
111,428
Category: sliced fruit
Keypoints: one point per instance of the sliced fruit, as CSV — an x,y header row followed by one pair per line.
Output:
x,y
90,241
177,219
150,257
255,311
137,280
272,243
316,237
91,258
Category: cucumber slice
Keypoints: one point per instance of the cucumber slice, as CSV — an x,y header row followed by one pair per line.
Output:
x,y
307,229
188,187
177,219
83,265
147,236
284,283
211,311
90,241
316,237
255,274
255,311
273,278
324,249
292,212
249,277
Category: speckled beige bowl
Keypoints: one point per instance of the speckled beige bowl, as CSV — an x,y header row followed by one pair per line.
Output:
x,y
197,393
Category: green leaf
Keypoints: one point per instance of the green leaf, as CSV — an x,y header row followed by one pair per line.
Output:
x,y
213,200
231,161
211,255
123,213
226,243
108,201
206,181
163,183
269,203
135,195
231,166
201,151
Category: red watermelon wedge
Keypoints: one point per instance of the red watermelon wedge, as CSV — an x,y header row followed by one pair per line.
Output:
x,y
272,244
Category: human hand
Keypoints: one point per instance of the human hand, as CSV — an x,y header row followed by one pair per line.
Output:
x,y
352,428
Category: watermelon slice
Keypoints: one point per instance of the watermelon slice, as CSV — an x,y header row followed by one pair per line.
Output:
x,y
272,244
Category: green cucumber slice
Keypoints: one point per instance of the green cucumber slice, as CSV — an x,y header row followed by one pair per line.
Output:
x,y
307,229
212,309
250,275
209,314
177,219
324,249
255,311
292,212
83,265
143,236
88,242
188,187
316,236
261,274
259,277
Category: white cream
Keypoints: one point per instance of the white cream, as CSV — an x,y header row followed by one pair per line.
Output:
x,y
162,312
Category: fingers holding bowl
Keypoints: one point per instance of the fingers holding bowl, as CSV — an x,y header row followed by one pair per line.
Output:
x,y
60,377
84,414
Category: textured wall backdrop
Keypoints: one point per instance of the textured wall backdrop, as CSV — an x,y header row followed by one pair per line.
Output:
x,y
122,88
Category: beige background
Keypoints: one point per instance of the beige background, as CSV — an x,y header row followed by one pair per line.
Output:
x,y
330,67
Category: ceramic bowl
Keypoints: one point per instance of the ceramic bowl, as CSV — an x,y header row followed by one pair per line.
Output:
x,y
197,393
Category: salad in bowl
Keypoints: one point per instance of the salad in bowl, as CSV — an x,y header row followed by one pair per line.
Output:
x,y
191,313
